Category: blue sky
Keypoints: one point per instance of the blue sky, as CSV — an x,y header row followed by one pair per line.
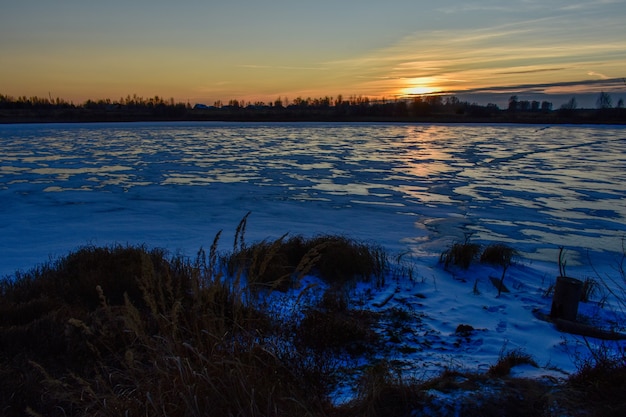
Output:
x,y
202,51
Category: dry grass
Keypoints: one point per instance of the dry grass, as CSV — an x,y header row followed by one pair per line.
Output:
x,y
131,331
498,254
600,382
460,254
336,259
381,393
509,360
157,336
501,255
347,331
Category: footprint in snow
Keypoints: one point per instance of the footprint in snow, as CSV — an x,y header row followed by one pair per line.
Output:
x,y
494,309
501,326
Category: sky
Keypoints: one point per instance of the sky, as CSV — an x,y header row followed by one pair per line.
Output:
x,y
202,51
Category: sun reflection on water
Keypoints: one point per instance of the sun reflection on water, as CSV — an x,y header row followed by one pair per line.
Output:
x,y
449,178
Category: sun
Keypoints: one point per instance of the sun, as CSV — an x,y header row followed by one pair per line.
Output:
x,y
419,86
417,90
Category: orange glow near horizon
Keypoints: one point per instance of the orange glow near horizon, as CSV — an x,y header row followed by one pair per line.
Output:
x,y
105,50
420,86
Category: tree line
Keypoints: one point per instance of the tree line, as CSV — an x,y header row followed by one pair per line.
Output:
x,y
423,108
35,102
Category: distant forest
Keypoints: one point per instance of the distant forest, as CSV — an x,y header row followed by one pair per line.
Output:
x,y
429,108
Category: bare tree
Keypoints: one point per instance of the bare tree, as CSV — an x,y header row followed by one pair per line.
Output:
x,y
570,105
604,101
513,101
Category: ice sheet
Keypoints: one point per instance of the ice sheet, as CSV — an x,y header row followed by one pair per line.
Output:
x,y
411,188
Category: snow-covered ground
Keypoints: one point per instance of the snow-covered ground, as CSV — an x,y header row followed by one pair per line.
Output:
x,y
413,189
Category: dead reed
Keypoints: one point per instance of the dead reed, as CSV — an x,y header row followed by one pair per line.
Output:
x,y
132,331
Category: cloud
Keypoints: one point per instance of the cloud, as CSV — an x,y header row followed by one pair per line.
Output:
x,y
495,6
582,86
593,73
282,67
545,51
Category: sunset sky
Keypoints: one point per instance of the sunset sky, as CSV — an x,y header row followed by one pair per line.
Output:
x,y
204,50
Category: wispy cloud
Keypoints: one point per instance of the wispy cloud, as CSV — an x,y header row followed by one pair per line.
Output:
x,y
582,86
597,74
282,67
539,51
490,6
533,71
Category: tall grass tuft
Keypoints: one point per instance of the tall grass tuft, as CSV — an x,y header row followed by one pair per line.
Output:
x,y
332,326
157,336
381,393
460,254
600,382
509,360
336,259
129,331
501,255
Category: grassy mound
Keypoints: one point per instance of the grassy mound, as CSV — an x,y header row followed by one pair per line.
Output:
x,y
336,259
127,330
132,331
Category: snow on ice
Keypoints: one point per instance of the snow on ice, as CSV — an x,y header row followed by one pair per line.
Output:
x,y
413,189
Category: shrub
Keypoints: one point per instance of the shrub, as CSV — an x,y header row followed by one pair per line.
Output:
x,y
336,259
167,336
73,279
501,255
180,342
331,325
460,254
498,254
334,300
600,383
514,397
344,260
266,264
381,393
509,360
464,330
125,330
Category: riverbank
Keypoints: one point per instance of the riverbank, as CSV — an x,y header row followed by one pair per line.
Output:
x,y
327,326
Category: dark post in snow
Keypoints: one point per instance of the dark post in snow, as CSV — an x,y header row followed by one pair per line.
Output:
x,y
567,293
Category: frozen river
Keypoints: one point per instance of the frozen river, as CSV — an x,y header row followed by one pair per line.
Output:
x,y
409,187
